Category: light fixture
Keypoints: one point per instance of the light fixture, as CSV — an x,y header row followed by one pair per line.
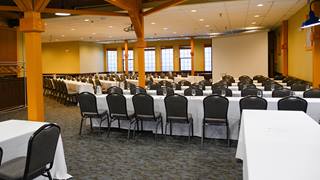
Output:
x,y
201,20
207,25
174,32
253,23
256,16
62,14
110,26
153,23
312,20
86,20
193,10
165,28
62,35
72,29
260,5
94,33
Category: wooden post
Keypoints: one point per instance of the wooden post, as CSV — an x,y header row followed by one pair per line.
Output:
x,y
192,56
284,47
32,26
126,56
140,45
316,48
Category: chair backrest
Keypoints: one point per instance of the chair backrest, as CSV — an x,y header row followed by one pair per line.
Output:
x,y
268,86
218,91
312,93
215,106
1,154
298,87
177,86
253,102
143,104
169,90
218,85
184,83
293,103
281,92
88,103
97,82
244,78
114,89
205,83
244,85
250,92
137,90
176,106
117,104
155,86
188,91
41,150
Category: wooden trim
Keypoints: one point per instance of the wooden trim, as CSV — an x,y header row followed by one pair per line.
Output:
x,y
162,6
10,8
126,56
192,43
40,5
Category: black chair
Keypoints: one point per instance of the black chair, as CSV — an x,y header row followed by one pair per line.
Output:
x,y
169,91
244,78
281,92
40,156
176,86
253,102
188,91
89,109
114,89
293,103
1,154
184,83
228,92
251,92
268,86
298,87
144,110
215,113
244,85
177,112
117,104
137,90
155,86
312,93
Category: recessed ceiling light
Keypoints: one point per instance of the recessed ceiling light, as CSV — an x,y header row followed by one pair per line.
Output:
x,y
110,36
94,33
201,20
260,5
207,25
110,26
62,35
81,38
193,10
153,23
165,28
86,20
57,39
174,32
256,16
252,28
254,23
62,14
72,29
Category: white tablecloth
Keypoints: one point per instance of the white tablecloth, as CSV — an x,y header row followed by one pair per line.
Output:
x,y
14,137
195,107
235,88
156,80
132,81
279,145
192,79
79,86
106,84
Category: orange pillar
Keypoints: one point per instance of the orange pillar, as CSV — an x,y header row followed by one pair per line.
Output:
x,y
126,55
316,48
284,47
32,26
140,45
192,56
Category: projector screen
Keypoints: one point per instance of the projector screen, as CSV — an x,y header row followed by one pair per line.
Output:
x,y
245,54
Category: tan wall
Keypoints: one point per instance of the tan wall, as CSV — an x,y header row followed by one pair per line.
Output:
x,y
199,52
299,59
61,57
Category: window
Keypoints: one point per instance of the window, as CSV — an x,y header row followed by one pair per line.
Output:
x,y
112,60
150,59
167,59
207,59
185,59
130,60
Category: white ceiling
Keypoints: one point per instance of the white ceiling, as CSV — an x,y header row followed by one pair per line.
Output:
x,y
178,20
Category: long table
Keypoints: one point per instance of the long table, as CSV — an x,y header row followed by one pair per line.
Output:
x,y
195,107
79,86
14,137
279,145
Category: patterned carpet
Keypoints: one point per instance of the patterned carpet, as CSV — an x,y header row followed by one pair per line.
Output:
x,y
98,157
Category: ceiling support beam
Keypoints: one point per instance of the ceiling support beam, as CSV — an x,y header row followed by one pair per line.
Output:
x,y
126,56
192,56
40,5
24,5
123,4
83,12
163,6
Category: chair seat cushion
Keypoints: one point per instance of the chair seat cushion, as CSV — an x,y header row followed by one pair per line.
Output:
x,y
149,117
13,169
123,116
178,119
215,121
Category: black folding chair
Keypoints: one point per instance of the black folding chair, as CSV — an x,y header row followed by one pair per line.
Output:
x,y
292,103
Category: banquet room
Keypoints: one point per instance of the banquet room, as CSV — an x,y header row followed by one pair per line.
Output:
x,y
160,89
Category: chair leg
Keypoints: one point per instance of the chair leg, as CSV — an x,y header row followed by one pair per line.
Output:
x,y
119,123
170,128
128,137
134,129
228,138
161,123
49,175
192,128
203,133
189,132
141,125
91,124
81,126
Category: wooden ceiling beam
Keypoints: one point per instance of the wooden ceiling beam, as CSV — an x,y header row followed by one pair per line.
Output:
x,y
24,5
163,6
10,8
83,12
128,5
40,5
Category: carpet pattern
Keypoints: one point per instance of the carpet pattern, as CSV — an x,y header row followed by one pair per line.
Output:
x,y
97,157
